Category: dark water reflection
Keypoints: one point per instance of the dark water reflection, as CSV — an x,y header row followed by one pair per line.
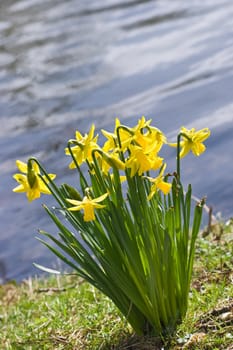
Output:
x,y
66,65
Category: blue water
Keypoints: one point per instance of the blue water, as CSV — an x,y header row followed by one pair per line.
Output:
x,y
66,65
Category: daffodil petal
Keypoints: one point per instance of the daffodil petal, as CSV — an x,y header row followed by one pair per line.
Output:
x,y
21,166
101,198
74,201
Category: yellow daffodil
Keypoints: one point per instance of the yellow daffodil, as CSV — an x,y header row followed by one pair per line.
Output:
x,y
192,140
139,136
138,162
142,135
30,182
141,160
158,183
111,143
85,145
88,205
134,135
156,137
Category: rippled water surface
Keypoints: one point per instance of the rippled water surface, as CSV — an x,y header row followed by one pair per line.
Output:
x,y
67,64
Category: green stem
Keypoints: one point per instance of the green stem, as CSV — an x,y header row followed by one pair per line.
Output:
x,y
119,140
178,157
75,161
178,153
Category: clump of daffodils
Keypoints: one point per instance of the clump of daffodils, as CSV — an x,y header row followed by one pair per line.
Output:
x,y
133,237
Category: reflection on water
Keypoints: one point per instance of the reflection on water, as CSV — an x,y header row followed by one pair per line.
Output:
x,y
157,19
65,65
118,5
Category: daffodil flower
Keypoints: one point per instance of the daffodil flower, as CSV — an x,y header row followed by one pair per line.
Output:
x,y
142,135
158,183
157,138
88,205
35,187
138,161
111,142
85,145
192,140
133,135
141,160
138,135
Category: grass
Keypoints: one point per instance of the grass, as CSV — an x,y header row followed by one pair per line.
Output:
x,y
67,313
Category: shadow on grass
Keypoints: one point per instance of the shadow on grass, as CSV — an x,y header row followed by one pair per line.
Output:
x,y
135,342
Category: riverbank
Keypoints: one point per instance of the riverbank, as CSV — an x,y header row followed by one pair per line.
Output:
x,y
67,313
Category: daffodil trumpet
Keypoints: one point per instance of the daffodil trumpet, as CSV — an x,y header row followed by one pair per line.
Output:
x,y
133,226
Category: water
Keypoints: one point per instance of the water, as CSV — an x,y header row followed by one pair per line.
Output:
x,y
67,64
